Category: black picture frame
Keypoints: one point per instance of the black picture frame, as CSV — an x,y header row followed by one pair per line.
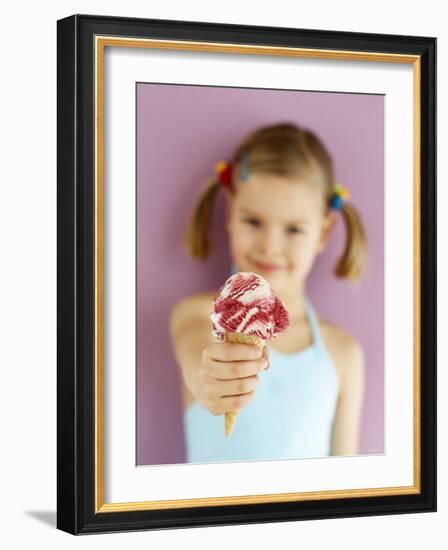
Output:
x,y
80,508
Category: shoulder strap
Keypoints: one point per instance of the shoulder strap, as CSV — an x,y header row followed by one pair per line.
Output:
x,y
314,324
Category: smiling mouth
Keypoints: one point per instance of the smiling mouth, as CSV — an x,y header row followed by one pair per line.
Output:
x,y
266,267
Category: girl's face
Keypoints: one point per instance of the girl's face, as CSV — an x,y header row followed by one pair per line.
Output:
x,y
277,227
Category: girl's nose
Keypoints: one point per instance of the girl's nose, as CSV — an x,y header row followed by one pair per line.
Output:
x,y
271,243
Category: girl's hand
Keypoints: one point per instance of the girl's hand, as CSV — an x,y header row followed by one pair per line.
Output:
x,y
228,375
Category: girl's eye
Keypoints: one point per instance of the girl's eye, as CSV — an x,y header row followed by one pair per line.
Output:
x,y
256,223
253,222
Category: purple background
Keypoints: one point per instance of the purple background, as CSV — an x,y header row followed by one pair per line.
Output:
x,y
182,131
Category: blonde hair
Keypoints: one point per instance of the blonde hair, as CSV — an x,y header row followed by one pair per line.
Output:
x,y
285,150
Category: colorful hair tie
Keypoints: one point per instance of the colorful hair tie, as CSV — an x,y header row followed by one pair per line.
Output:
x,y
339,197
223,170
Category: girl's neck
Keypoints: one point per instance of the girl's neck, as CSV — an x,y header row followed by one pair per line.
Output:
x,y
299,331
294,303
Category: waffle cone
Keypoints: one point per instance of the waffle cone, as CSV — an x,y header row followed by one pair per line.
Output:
x,y
236,337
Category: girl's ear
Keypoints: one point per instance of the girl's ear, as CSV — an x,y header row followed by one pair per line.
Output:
x,y
326,231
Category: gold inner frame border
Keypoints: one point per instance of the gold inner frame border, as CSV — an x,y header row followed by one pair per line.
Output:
x,y
100,43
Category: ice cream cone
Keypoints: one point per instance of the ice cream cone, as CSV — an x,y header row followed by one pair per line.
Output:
x,y
247,311
238,338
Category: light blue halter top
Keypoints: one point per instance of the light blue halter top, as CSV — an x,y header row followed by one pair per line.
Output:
x,y
291,414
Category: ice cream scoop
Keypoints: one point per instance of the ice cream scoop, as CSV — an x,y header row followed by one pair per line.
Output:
x,y
247,311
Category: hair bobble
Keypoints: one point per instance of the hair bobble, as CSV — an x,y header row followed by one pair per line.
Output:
x,y
339,197
223,170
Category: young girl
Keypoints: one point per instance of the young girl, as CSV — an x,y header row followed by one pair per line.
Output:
x,y
302,396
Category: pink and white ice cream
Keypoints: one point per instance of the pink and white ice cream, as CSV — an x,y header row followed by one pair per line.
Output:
x,y
246,304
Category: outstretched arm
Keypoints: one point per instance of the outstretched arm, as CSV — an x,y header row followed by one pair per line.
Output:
x,y
345,434
190,333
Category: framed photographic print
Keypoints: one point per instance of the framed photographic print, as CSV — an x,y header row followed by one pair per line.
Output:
x,y
246,274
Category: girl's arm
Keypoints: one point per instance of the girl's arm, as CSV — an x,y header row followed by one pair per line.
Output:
x,y
190,331
345,434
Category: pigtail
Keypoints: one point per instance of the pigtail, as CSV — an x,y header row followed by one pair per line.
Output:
x,y
196,238
352,262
